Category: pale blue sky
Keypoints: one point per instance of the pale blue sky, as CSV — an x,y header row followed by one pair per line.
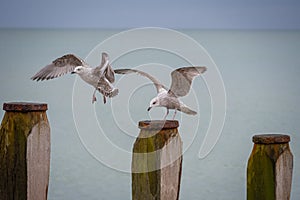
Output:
x,y
203,14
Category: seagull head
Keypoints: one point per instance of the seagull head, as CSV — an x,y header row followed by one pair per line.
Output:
x,y
78,70
154,103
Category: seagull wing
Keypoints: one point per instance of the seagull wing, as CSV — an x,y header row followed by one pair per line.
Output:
x,y
182,79
110,74
158,85
105,68
59,67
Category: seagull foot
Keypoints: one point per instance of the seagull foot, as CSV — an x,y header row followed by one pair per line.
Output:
x,y
94,99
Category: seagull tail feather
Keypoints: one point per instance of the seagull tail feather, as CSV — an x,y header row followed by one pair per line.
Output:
x,y
114,92
187,110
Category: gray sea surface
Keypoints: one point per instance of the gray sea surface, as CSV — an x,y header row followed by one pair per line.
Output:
x,y
260,70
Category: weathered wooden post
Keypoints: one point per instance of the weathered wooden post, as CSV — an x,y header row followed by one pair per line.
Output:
x,y
24,152
270,168
157,161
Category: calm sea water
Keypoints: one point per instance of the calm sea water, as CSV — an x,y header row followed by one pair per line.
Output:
x,y
260,70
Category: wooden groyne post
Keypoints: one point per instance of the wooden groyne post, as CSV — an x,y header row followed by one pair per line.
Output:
x,y
270,168
24,152
157,161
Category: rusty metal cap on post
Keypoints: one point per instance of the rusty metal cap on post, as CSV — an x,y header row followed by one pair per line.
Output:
x,y
270,139
24,107
158,124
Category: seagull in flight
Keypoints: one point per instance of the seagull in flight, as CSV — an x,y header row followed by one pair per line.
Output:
x,y
181,83
100,77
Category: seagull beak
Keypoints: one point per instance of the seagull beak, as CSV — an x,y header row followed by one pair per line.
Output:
x,y
149,109
73,72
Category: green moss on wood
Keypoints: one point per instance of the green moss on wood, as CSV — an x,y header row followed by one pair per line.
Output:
x,y
150,180
261,171
15,128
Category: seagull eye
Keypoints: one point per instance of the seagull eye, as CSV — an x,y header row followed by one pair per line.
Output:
x,y
154,102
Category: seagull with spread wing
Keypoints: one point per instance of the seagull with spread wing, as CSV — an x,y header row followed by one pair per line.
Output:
x,y
181,83
101,77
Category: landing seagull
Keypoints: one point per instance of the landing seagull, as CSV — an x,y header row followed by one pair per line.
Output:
x,y
181,84
100,77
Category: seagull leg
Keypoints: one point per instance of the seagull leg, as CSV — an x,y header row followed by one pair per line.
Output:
x,y
174,114
166,114
104,99
94,96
